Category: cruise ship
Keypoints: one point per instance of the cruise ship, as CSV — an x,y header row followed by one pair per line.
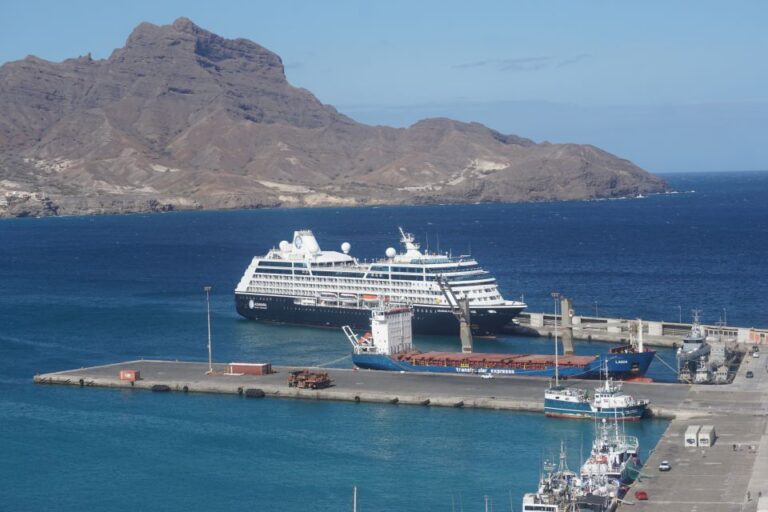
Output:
x,y
299,283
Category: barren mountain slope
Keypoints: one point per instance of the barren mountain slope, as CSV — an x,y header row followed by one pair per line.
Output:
x,y
182,118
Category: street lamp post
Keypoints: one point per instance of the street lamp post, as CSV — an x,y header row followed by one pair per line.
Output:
x,y
556,298
210,351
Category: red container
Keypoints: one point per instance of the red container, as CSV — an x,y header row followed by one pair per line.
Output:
x,y
129,375
250,368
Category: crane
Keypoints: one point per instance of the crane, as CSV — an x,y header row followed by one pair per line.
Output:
x,y
460,309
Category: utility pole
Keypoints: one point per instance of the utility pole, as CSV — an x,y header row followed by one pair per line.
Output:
x,y
210,351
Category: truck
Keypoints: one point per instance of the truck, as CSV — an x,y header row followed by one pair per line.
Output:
x,y
305,379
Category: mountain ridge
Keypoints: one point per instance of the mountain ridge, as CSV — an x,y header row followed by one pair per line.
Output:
x,y
181,118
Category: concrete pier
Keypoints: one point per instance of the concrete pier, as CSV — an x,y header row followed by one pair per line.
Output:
x,y
729,476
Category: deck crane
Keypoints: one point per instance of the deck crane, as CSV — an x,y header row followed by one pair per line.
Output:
x,y
460,308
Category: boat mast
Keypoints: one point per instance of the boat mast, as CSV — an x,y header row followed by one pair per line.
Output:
x,y
210,350
556,297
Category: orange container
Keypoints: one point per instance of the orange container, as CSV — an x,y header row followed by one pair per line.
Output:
x,y
250,368
129,375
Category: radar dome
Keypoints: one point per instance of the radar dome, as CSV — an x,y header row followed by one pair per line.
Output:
x,y
390,252
345,247
284,246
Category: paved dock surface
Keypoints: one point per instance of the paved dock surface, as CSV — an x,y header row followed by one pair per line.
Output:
x,y
718,478
729,476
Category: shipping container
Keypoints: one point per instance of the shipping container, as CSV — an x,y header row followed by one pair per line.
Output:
x,y
130,375
250,368
707,436
692,436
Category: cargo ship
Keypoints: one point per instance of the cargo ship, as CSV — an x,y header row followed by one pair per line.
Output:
x,y
389,346
299,283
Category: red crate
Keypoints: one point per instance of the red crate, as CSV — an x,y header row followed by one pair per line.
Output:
x,y
250,368
130,375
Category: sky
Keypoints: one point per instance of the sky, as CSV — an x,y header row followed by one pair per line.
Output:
x,y
674,86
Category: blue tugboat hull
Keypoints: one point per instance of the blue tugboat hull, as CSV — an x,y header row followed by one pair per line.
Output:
x,y
580,410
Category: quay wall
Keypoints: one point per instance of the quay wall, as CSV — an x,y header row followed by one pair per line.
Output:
x,y
618,330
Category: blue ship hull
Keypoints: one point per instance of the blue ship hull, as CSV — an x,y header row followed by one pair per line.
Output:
x,y
579,410
620,366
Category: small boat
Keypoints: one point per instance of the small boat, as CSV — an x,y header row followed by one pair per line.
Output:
x,y
694,347
608,401
614,454
563,490
556,488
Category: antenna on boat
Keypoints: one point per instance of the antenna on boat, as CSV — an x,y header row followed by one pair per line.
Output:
x,y
210,351
354,498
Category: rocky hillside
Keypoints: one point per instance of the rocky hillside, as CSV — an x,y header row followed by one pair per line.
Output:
x,y
181,118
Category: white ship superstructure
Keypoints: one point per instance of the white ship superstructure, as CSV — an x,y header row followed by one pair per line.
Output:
x,y
298,282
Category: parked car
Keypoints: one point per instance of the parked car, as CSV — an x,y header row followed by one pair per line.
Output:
x,y
665,466
750,374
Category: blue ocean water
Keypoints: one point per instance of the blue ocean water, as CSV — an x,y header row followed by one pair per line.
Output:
x,y
80,291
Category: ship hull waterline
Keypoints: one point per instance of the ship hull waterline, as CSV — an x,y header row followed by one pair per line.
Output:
x,y
620,366
568,410
432,320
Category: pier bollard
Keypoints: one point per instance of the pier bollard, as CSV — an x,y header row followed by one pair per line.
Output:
x,y
394,400
425,402
357,399
459,404
185,389
161,388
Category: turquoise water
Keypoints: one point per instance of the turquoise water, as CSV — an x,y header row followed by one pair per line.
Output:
x,y
82,291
